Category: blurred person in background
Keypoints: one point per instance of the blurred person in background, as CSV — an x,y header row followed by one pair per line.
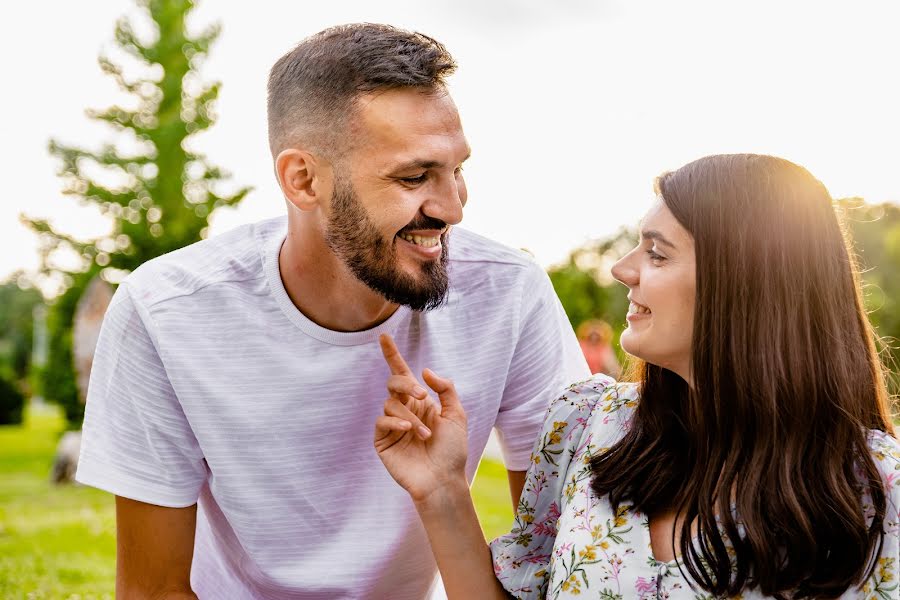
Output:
x,y
237,381
752,455
595,338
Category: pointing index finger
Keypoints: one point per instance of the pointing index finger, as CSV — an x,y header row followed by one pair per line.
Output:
x,y
392,356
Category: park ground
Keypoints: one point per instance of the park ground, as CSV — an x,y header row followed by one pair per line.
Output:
x,y
58,542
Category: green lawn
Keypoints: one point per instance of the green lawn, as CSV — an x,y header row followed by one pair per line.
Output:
x,y
59,542
55,542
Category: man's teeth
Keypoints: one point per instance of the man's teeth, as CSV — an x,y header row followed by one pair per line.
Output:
x,y
418,240
637,309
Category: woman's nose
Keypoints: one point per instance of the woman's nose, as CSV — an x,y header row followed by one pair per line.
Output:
x,y
624,271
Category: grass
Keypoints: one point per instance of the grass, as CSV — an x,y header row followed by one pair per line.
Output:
x,y
58,542
490,491
55,541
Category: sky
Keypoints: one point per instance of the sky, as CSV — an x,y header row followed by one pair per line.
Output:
x,y
571,107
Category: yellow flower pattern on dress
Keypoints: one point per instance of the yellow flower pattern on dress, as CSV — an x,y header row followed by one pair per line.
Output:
x,y
566,543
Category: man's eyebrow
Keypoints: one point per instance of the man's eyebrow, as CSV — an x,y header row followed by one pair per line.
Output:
x,y
420,163
652,234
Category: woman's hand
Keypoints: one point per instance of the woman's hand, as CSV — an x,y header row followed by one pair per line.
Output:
x,y
422,444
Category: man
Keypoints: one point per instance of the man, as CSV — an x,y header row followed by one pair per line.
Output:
x,y
237,381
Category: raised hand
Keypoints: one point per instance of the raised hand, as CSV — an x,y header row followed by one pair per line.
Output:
x,y
422,444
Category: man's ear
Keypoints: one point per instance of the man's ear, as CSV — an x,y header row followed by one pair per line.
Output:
x,y
305,179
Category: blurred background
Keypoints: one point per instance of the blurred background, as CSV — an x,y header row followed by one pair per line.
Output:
x,y
134,128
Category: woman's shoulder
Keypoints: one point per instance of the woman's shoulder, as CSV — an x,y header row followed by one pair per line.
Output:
x,y
598,393
598,405
885,450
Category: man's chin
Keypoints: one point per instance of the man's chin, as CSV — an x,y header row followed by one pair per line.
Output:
x,y
425,294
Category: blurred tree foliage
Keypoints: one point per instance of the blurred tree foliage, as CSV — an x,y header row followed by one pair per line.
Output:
x,y
17,306
12,401
57,380
156,190
584,284
875,229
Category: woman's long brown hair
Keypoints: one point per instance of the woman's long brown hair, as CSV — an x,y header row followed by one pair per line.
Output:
x,y
768,452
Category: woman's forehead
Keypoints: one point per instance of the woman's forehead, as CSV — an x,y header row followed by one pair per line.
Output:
x,y
660,223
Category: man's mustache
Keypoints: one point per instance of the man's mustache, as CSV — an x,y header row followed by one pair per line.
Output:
x,y
424,223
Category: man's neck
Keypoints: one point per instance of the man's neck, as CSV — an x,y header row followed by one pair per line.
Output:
x,y
322,287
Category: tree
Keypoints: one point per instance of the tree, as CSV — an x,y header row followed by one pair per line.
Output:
x,y
875,230
57,379
17,305
163,190
585,286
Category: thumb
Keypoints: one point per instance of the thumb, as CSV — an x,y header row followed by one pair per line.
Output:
x,y
445,390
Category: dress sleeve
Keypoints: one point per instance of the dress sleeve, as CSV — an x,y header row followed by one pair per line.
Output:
x,y
576,420
136,441
883,583
546,359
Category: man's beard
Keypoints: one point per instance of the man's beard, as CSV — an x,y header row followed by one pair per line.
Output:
x,y
355,239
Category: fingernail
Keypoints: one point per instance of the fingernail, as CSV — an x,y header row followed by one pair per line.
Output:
x,y
424,431
419,391
405,425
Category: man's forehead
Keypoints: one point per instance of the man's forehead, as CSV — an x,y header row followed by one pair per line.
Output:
x,y
401,119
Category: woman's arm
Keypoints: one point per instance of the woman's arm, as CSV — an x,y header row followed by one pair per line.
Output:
x,y
458,544
424,448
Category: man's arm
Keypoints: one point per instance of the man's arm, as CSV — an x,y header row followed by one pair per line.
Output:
x,y
154,550
516,485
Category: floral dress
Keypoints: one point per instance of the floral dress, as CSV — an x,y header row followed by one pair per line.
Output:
x,y
567,543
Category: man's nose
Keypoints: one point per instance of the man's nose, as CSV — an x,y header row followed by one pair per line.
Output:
x,y
447,202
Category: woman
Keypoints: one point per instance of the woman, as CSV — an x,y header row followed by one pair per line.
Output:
x,y
754,456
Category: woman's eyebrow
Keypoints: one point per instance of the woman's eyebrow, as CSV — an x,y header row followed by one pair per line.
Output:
x,y
656,236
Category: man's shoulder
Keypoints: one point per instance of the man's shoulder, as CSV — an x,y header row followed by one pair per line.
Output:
x,y
235,256
468,249
484,270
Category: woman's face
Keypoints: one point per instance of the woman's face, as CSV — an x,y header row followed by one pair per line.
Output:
x,y
660,275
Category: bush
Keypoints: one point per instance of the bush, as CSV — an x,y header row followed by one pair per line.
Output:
x,y
12,401
56,381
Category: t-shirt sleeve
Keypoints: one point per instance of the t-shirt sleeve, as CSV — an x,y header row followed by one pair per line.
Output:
x,y
547,358
136,440
559,458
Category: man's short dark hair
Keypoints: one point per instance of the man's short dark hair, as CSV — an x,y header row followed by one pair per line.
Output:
x,y
314,87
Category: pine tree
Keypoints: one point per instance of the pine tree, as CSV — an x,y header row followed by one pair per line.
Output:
x,y
165,191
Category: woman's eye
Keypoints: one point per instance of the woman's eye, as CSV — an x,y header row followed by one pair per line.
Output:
x,y
654,256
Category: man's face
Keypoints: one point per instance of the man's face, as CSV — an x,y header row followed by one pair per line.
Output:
x,y
397,193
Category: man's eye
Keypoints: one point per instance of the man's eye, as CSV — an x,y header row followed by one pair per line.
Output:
x,y
414,180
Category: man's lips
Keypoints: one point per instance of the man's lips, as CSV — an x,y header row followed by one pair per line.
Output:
x,y
424,238
425,243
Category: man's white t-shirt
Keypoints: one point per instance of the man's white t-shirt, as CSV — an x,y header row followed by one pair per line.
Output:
x,y
210,387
